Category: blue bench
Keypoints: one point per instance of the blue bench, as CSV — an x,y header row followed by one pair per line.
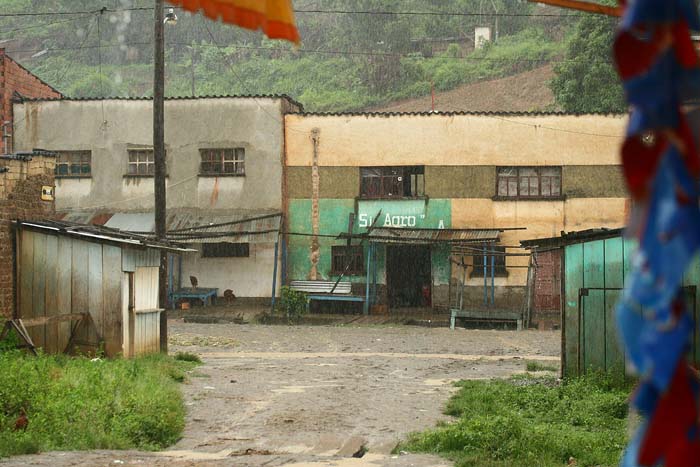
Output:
x,y
324,291
207,296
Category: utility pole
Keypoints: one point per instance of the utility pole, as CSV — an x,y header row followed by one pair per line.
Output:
x,y
159,164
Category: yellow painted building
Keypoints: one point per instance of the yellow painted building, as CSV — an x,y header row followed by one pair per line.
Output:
x,y
544,173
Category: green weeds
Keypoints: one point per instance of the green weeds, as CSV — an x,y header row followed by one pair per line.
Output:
x,y
539,366
531,422
80,404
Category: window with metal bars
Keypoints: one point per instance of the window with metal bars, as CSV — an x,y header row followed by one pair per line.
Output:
x,y
350,257
216,162
528,182
73,164
499,258
225,250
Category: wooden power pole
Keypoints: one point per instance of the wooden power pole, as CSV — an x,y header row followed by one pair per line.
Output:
x,y
159,164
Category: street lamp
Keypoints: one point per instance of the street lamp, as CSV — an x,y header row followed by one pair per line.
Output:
x,y
159,168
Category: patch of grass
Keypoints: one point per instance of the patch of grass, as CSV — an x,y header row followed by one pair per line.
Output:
x,y
80,404
529,421
539,366
188,357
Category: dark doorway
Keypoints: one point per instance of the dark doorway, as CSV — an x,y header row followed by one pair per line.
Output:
x,y
408,276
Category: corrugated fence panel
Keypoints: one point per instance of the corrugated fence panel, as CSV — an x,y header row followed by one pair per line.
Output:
x,y
614,266
38,333
51,293
64,289
573,264
691,280
79,292
594,305
146,287
95,298
111,291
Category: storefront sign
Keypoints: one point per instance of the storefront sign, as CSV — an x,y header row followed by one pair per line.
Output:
x,y
407,214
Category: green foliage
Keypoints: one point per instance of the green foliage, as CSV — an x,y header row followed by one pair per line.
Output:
x,y
81,404
293,303
188,357
538,366
587,81
526,421
10,342
347,61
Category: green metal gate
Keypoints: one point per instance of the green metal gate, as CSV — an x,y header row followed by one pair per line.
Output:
x,y
594,277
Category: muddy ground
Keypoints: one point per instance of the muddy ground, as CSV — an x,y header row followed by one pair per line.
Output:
x,y
280,395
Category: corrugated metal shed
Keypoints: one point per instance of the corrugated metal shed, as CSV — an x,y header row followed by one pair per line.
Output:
x,y
143,222
390,235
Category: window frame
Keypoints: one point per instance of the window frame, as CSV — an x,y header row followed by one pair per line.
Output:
x,y
359,256
235,250
518,179
138,163
501,270
410,173
223,162
70,164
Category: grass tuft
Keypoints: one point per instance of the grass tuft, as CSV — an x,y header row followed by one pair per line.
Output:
x,y
188,357
79,404
538,366
529,421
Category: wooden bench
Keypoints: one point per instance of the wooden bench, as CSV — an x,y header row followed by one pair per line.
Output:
x,y
326,291
487,315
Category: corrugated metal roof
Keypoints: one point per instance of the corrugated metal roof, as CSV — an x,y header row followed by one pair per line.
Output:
x,y
460,112
202,227
192,226
571,238
389,235
174,98
100,234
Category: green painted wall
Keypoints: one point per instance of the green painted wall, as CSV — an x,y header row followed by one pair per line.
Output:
x,y
333,220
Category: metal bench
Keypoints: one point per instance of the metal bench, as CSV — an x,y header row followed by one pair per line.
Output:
x,y
326,291
207,296
490,315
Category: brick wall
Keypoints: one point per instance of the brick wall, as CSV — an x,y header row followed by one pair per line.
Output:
x,y
20,198
15,78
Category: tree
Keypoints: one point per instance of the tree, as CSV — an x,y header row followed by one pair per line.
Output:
x,y
587,81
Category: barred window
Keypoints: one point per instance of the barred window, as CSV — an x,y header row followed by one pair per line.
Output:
x,y
529,182
141,162
348,260
222,161
392,182
225,250
73,164
498,253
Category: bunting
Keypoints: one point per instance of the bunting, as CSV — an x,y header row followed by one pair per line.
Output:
x,y
660,70
275,18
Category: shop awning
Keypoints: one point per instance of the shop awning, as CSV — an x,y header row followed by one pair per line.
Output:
x,y
427,236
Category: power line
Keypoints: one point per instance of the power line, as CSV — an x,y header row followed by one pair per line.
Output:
x,y
316,11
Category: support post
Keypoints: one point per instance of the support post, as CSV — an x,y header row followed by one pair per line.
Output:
x,y
486,284
159,163
274,276
464,282
283,253
493,276
369,269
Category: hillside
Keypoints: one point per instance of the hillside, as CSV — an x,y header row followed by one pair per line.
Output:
x,y
523,92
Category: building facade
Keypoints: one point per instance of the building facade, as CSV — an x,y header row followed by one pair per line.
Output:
x,y
17,82
224,175
483,180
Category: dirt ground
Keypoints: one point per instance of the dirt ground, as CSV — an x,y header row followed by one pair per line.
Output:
x,y
280,395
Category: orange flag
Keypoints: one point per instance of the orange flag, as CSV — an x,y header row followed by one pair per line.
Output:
x,y
274,17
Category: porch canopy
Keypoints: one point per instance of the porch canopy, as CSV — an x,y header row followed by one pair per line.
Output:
x,y
434,236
